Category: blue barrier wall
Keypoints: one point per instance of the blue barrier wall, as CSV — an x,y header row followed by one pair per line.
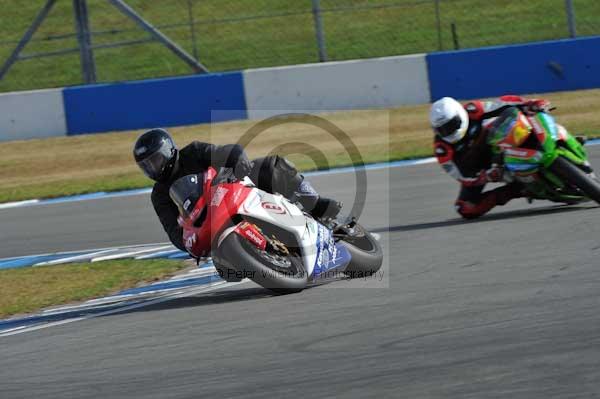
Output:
x,y
151,103
520,69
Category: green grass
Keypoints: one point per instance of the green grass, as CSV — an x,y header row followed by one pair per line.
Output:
x,y
29,289
272,32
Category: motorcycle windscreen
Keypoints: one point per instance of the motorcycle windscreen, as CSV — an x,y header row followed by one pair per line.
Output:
x,y
185,193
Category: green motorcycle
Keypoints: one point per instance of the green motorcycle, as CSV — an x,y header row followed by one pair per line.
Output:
x,y
544,157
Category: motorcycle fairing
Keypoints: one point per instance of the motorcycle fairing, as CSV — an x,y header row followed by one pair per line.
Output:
x,y
531,165
319,250
330,255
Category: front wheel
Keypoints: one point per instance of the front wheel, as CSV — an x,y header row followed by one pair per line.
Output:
x,y
572,174
366,252
280,274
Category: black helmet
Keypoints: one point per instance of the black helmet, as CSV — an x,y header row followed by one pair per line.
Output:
x,y
156,154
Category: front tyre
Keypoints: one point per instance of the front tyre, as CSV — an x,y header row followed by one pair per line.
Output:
x,y
283,275
366,252
572,174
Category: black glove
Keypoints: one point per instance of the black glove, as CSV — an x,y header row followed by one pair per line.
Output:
x,y
495,173
532,107
243,167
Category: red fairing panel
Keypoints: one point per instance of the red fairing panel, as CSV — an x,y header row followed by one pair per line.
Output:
x,y
222,203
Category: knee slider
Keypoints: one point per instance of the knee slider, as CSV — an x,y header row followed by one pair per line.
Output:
x,y
467,210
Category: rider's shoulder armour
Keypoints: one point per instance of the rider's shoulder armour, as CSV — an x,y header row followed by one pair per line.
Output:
x,y
475,110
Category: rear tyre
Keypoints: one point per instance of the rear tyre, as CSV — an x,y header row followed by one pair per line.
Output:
x,y
367,255
577,177
283,275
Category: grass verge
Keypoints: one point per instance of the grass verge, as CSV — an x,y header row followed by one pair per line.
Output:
x,y
29,289
61,166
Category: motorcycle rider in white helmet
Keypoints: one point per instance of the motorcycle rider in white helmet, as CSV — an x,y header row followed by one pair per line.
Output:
x,y
461,148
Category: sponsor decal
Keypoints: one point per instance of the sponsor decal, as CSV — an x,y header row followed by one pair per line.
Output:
x,y
536,125
218,196
251,233
327,252
271,207
195,213
189,243
517,153
523,153
520,131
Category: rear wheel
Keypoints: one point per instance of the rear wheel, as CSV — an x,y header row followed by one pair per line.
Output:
x,y
278,273
366,252
572,174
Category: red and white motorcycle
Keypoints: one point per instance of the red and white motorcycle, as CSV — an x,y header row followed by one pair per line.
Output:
x,y
264,237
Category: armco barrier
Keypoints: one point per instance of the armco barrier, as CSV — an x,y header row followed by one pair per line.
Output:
x,y
373,83
520,69
150,103
32,114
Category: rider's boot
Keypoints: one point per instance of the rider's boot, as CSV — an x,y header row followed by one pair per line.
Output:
x,y
490,199
318,206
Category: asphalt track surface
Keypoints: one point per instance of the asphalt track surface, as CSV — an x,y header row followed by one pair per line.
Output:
x,y
505,306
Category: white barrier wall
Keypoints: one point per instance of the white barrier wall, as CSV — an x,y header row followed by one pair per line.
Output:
x,y
253,94
373,83
32,114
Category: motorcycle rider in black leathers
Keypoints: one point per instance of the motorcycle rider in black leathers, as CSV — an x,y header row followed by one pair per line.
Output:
x,y
158,157
462,150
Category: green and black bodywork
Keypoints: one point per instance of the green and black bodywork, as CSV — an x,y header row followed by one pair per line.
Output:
x,y
543,156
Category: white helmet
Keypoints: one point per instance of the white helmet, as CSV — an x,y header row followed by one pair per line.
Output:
x,y
449,119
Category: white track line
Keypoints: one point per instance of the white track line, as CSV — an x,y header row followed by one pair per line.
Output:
x,y
73,258
18,204
180,294
128,254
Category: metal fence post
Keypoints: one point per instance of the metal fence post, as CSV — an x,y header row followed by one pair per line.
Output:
x,y
316,10
454,36
571,18
438,21
82,27
14,56
190,5
158,35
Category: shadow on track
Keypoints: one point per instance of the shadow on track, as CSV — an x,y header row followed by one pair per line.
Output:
x,y
214,298
204,299
523,213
